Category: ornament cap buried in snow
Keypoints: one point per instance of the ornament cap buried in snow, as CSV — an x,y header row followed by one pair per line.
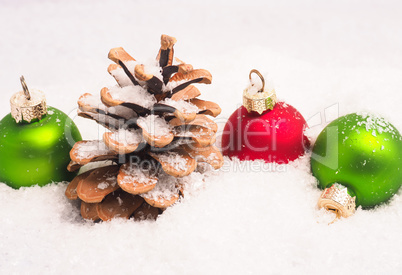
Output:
x,y
26,105
258,100
337,199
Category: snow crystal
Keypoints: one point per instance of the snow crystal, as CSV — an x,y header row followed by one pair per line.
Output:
x,y
93,101
126,137
212,157
122,77
103,185
119,200
181,105
105,119
197,133
375,123
255,85
36,97
135,173
174,159
91,149
194,182
122,112
130,66
151,66
173,84
155,125
166,188
133,94
108,180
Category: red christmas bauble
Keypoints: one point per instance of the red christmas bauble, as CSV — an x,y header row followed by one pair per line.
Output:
x,y
275,135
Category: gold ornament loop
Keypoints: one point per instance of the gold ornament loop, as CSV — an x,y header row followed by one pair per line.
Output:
x,y
260,76
261,100
25,88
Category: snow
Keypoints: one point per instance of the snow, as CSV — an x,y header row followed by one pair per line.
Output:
x,y
155,125
126,137
151,66
375,123
103,185
166,188
120,75
130,67
36,97
135,174
133,94
173,84
91,149
255,84
93,101
122,111
173,159
326,58
181,105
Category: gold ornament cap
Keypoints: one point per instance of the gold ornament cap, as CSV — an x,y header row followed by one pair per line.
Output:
x,y
259,100
337,199
26,105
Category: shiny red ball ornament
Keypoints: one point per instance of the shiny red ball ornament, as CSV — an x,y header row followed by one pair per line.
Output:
x,y
264,129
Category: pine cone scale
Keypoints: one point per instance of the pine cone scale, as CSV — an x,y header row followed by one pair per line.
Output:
x,y
118,204
100,182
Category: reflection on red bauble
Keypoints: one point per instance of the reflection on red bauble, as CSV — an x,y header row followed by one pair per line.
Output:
x,y
276,135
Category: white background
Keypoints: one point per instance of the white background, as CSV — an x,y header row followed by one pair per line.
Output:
x,y
341,55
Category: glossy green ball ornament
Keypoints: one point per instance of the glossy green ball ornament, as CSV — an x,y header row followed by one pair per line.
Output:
x,y
362,154
35,151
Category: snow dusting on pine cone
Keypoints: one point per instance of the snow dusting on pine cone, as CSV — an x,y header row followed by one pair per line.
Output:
x,y
159,134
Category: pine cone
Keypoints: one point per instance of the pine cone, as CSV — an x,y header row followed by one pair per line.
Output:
x,y
159,134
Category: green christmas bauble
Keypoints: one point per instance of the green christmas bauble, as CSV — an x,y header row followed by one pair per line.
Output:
x,y
36,153
362,153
